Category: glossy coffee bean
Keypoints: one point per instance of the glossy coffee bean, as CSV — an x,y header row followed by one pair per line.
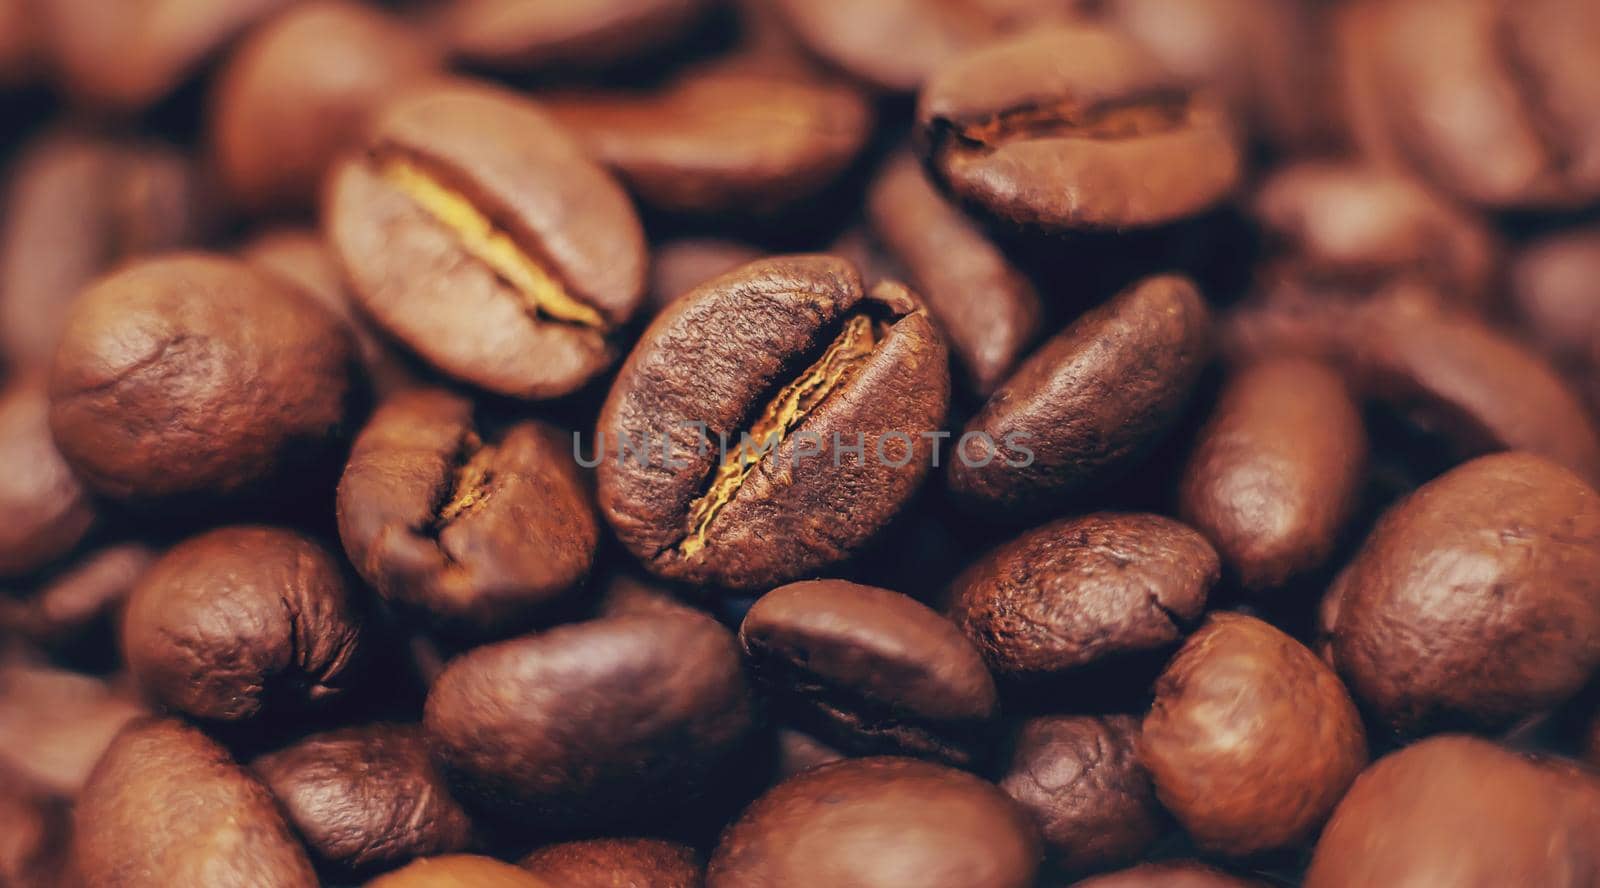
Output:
x,y
296,95
879,823
242,622
1075,129
1462,811
1087,403
477,232
47,511
1180,874
1084,591
194,375
1473,600
723,140
821,393
603,862
366,797
480,538
1251,740
988,310
610,722
872,670
1081,780
167,806
54,726
74,607
512,34
459,871
1277,471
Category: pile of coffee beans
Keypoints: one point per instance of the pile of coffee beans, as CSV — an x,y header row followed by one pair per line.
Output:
x,y
799,443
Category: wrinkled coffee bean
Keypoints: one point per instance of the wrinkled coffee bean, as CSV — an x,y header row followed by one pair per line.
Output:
x,y
1082,591
74,606
872,670
47,511
1088,403
819,392
515,35
1251,740
1473,602
480,538
367,797
242,622
652,863
476,232
1075,129
1168,875
459,871
54,726
1277,471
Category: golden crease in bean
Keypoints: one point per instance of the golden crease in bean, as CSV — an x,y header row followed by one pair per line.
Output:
x,y
471,483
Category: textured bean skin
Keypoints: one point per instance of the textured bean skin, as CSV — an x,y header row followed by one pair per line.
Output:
x,y
625,862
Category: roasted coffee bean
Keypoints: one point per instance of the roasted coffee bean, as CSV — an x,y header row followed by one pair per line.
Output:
x,y
1462,811
459,871
243,621
678,266
879,823
1075,129
1084,591
820,394
54,726
871,669
1088,403
1181,874
1080,778
296,94
479,538
476,232
1277,471
721,141
511,34
47,511
1251,740
609,722
194,375
77,206
367,797
76,605
1473,601
166,806
988,309
650,863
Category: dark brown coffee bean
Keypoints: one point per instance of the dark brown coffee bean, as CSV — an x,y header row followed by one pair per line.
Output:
x,y
1251,740
609,722
166,806
1075,129
46,510
54,726
723,140
512,34
75,606
296,95
477,232
77,206
480,538
1462,811
648,863
1080,591
873,670
1089,402
678,266
879,823
1474,600
987,308
459,871
240,622
1277,471
196,375
1181,874
1080,778
366,797
819,392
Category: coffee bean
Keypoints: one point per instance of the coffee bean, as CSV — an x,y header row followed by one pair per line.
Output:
x,y
243,621
167,806
1472,602
879,823
610,722
511,34
1182,874
477,233
366,797
47,511
1277,471
873,670
988,309
73,609
1074,129
480,538
1251,740
1082,591
1081,780
1088,403
459,871
647,862
789,363
54,726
